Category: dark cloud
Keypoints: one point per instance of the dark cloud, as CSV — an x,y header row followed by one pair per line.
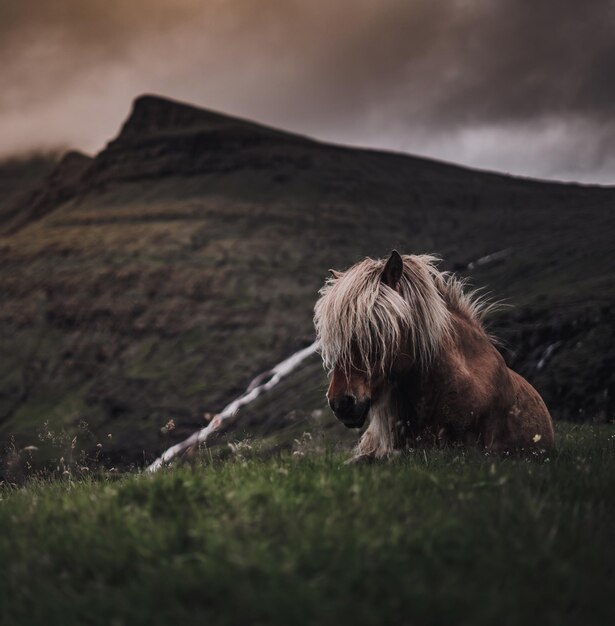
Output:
x,y
514,85
527,60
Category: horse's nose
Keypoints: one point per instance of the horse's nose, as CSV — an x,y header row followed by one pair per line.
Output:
x,y
349,411
342,405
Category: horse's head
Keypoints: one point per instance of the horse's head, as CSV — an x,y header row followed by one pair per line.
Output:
x,y
352,394
358,378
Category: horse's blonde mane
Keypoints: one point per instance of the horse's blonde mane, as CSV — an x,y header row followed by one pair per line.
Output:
x,y
362,323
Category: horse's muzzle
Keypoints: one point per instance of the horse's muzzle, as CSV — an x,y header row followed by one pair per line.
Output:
x,y
350,412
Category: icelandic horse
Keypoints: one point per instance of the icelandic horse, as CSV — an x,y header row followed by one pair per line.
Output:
x,y
407,349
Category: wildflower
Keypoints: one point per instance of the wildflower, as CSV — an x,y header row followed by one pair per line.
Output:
x,y
168,427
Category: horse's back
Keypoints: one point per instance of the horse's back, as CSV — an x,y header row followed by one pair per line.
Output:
x,y
527,423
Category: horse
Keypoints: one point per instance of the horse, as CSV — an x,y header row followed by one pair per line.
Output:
x,y
406,348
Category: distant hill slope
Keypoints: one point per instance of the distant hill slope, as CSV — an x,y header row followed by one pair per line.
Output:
x,y
19,177
48,182
154,280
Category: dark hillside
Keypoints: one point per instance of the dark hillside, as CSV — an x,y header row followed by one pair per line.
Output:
x,y
19,178
31,202
186,257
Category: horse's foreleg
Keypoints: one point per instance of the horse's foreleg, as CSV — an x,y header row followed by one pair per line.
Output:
x,y
367,448
377,442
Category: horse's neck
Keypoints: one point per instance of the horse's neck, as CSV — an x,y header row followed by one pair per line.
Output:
x,y
468,340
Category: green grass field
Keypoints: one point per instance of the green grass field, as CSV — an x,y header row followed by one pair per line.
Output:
x,y
433,537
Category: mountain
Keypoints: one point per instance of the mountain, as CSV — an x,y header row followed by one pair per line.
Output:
x,y
154,280
19,177
44,193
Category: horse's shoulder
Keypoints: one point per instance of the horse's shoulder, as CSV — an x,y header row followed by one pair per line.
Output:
x,y
471,370
472,351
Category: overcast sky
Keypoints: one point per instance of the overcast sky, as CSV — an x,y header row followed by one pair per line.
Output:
x,y
523,86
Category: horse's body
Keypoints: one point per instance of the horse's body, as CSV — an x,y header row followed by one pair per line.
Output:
x,y
407,349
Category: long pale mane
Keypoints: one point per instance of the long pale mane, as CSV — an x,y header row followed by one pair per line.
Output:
x,y
362,323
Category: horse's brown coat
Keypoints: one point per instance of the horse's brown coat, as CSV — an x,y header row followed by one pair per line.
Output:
x,y
466,394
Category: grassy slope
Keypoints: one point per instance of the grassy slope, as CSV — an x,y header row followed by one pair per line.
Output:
x,y
151,298
441,536
19,177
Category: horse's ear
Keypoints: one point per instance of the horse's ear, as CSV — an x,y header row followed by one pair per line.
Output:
x,y
393,270
335,274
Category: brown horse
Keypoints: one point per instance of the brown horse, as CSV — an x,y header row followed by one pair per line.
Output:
x,y
407,348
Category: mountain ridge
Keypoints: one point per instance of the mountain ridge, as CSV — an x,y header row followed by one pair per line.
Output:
x,y
152,113
170,137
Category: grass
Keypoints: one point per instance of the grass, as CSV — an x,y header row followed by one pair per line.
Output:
x,y
434,537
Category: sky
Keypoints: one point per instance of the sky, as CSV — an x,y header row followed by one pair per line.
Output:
x,y
520,86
